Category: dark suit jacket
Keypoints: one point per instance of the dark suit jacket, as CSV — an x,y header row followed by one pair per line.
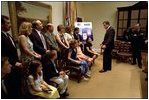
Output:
x,y
109,38
49,70
8,49
37,43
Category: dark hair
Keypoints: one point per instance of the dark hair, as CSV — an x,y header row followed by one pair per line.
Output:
x,y
72,43
76,29
68,29
3,19
4,59
49,55
59,27
106,22
47,26
33,68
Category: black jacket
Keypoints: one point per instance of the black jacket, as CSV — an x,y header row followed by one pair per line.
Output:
x,y
49,70
137,40
8,49
37,43
109,38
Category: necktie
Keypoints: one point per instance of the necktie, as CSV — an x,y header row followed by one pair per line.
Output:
x,y
43,41
8,35
55,67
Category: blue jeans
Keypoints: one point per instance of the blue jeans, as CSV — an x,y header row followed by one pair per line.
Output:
x,y
84,67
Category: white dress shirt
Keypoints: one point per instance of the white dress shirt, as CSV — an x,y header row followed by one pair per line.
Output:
x,y
42,39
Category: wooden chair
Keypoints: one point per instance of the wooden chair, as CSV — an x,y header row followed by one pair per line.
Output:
x,y
124,53
116,48
75,72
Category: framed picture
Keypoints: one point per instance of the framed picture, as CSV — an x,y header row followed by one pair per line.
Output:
x,y
21,11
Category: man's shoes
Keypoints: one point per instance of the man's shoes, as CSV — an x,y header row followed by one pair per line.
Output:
x,y
133,63
64,95
102,71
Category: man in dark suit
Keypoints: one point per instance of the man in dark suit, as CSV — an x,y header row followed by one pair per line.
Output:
x,y
39,43
51,73
9,50
5,70
137,43
107,45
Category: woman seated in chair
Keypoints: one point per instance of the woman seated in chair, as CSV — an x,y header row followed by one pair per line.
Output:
x,y
81,56
88,49
51,73
36,85
74,61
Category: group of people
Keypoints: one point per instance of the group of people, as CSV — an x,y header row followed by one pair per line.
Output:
x,y
42,55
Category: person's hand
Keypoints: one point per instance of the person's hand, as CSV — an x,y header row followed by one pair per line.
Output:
x,y
66,47
78,62
104,46
38,56
47,51
90,59
18,64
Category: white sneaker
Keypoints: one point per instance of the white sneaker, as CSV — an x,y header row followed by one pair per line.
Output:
x,y
88,76
89,72
86,79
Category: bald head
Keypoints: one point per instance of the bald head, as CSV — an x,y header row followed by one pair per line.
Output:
x,y
50,27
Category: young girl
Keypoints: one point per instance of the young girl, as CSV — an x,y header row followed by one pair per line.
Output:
x,y
73,60
82,56
88,49
37,86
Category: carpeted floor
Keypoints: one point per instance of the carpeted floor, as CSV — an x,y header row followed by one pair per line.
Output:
x,y
124,81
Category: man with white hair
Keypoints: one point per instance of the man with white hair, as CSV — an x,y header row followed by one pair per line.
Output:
x,y
50,37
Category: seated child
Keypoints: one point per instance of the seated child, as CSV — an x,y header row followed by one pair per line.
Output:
x,y
73,60
88,49
81,56
36,85
51,73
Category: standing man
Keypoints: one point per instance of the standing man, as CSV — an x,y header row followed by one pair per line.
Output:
x,y
37,38
107,45
51,38
9,49
5,70
137,44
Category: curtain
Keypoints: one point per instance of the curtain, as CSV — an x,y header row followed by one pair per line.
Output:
x,y
70,13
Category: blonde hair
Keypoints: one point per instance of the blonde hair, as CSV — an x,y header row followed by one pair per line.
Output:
x,y
24,28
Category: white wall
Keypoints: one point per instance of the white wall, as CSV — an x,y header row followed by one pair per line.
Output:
x,y
5,10
97,12
57,13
